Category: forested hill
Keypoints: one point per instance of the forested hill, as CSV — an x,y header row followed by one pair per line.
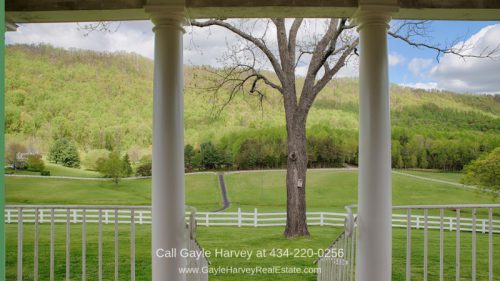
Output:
x,y
104,101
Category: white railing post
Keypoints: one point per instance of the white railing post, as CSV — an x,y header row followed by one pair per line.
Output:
x,y
418,222
321,218
35,250
68,242
441,244
473,244
75,218
426,243
457,247
52,246
19,244
207,219
99,245
408,245
116,244
490,244
255,217
8,216
239,217
132,245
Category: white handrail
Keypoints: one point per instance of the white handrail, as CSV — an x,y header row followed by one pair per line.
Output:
x,y
474,224
78,214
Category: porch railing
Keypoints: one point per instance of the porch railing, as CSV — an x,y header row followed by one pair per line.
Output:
x,y
420,222
84,215
337,263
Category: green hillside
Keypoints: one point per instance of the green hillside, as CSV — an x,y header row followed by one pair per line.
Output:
x,y
104,101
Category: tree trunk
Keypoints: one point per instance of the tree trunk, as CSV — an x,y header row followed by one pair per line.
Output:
x,y
296,225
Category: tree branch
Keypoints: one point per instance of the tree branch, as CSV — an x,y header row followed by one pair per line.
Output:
x,y
330,72
318,53
258,43
292,38
307,98
282,39
486,53
408,30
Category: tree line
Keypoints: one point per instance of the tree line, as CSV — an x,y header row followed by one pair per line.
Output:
x,y
329,147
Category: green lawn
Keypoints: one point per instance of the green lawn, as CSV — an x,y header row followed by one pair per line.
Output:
x,y
332,190
327,190
202,191
233,238
58,170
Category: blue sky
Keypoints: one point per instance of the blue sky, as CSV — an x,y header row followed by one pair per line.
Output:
x,y
408,66
444,32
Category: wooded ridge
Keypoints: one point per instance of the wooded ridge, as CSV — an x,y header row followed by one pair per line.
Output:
x,y
104,101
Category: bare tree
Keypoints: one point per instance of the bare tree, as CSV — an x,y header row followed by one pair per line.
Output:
x,y
326,55
247,67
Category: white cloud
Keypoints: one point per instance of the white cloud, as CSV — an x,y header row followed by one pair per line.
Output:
x,y
395,59
419,85
202,46
133,36
472,74
418,66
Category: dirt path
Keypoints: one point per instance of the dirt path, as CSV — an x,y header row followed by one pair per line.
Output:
x,y
223,191
435,180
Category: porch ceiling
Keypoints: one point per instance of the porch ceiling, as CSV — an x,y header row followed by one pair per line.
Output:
x,y
34,11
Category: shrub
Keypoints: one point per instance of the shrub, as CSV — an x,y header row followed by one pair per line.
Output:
x,y
45,173
212,157
189,154
485,172
90,160
64,152
114,167
127,167
144,170
35,163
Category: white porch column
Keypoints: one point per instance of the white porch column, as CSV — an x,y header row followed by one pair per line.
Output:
x,y
374,236
168,229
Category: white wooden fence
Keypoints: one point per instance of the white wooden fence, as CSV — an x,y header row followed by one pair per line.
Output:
x,y
142,215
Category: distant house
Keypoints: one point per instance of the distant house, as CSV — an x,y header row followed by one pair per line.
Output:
x,y
23,156
21,159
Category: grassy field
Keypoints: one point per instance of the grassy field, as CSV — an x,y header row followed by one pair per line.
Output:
x,y
202,191
332,190
58,170
233,238
327,191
